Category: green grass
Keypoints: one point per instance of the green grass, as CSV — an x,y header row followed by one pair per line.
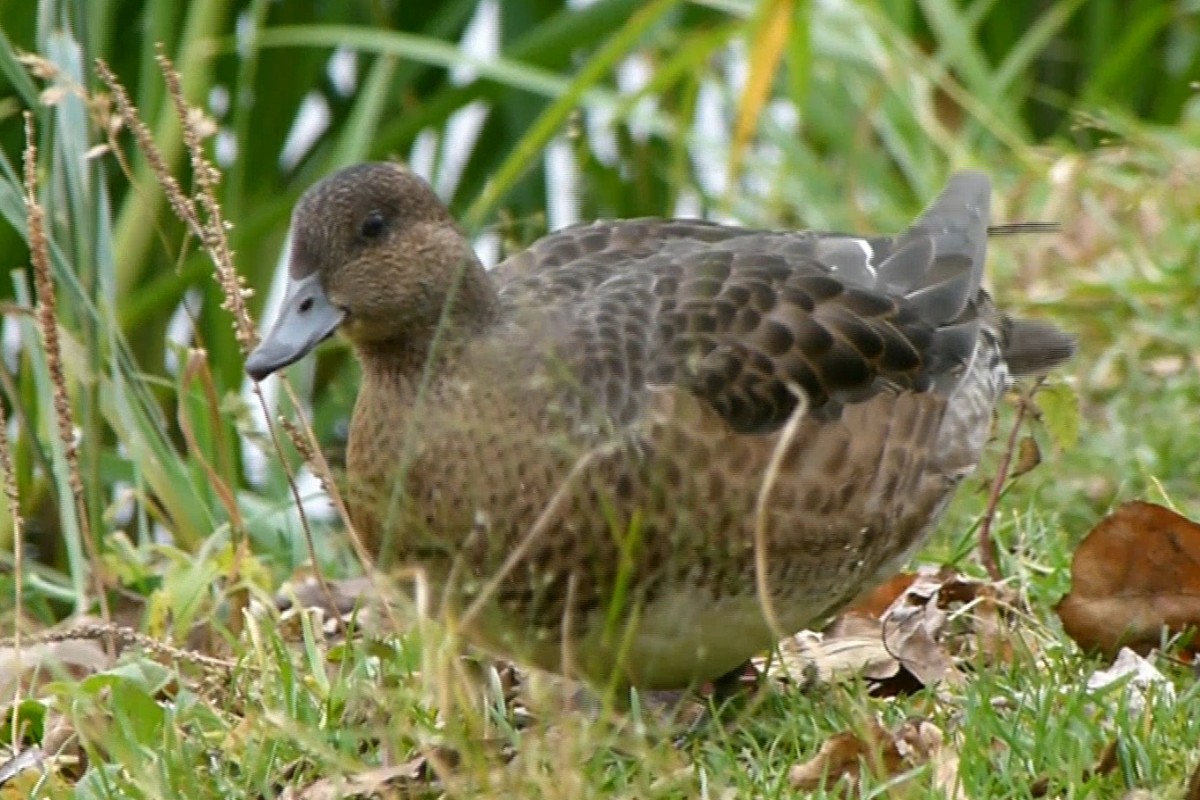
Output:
x,y
1080,116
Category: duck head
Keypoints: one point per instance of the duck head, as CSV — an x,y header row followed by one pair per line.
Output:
x,y
374,253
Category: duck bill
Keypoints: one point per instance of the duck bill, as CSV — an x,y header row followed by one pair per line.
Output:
x,y
306,319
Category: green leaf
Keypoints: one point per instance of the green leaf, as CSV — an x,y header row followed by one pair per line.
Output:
x,y
31,716
147,676
1059,405
139,715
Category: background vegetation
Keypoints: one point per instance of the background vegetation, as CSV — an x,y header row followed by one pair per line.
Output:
x,y
527,115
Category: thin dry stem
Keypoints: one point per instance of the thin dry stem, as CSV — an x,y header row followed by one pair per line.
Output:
x,y
568,631
987,548
316,460
46,316
305,448
325,475
307,452
18,532
761,503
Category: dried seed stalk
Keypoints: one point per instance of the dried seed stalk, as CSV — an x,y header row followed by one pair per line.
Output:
x,y
46,316
213,232
181,204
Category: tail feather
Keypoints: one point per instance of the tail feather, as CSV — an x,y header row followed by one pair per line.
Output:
x,y
1034,347
956,224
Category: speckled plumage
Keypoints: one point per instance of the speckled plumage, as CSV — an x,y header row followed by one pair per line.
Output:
x,y
581,465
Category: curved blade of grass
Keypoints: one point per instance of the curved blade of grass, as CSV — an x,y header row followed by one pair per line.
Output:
x,y
1026,49
771,32
1121,56
553,118
959,48
414,47
799,55
359,130
15,72
72,534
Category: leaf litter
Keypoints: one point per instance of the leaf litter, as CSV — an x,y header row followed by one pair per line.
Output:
x,y
1135,580
917,630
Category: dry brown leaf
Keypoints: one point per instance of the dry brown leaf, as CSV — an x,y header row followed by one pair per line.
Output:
x,y
913,628
851,625
841,758
944,766
1029,455
418,777
1135,573
844,757
911,632
876,602
384,782
989,634
902,635
810,657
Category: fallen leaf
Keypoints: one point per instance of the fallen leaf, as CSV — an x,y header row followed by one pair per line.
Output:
x,y
381,782
810,657
845,757
841,759
1134,574
946,779
876,602
905,635
986,632
911,630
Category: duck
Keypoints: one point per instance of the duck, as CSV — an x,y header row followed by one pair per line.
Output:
x,y
641,451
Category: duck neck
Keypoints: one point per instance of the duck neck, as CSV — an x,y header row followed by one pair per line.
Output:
x,y
470,309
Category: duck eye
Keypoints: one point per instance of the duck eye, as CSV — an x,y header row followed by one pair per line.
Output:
x,y
372,226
